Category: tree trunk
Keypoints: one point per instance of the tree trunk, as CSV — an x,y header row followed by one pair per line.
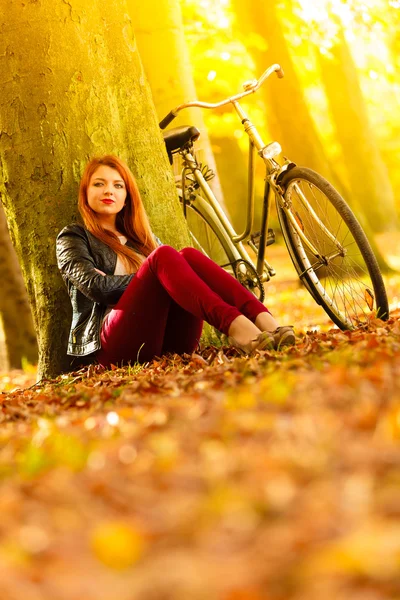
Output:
x,y
4,366
159,23
234,181
289,119
72,86
367,173
19,334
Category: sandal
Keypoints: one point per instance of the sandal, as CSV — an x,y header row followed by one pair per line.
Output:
x,y
283,337
265,341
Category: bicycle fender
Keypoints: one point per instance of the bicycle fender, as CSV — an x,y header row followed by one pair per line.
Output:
x,y
284,170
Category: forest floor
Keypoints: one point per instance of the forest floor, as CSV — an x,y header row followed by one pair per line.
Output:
x,y
210,476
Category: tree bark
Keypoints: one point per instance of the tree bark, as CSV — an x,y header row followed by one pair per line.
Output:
x,y
19,334
72,87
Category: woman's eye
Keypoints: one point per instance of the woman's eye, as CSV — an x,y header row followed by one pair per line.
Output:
x,y
97,184
119,185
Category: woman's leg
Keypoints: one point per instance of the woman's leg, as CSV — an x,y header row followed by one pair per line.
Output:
x,y
182,331
134,329
188,290
229,289
137,324
266,322
196,296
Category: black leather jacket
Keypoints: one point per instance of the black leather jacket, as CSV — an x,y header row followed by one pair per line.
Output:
x,y
79,253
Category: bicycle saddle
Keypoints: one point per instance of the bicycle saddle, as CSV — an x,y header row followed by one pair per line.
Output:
x,y
179,136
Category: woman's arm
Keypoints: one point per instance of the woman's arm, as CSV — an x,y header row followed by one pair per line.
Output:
x,y
78,267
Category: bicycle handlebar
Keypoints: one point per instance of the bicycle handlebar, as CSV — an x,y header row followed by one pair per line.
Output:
x,y
167,120
249,86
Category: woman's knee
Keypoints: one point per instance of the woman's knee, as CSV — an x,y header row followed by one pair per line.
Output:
x,y
189,253
162,254
163,250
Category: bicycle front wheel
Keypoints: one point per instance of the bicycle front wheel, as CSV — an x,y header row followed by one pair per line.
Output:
x,y
341,272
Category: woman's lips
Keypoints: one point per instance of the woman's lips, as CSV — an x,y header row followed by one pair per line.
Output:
x,y
107,201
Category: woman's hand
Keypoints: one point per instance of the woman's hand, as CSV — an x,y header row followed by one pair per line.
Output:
x,y
100,272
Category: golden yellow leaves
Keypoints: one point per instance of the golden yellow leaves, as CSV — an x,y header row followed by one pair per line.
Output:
x,y
116,544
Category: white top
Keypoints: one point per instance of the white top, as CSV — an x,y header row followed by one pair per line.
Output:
x,y
120,269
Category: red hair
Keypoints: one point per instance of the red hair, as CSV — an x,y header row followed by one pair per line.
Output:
x,y
132,220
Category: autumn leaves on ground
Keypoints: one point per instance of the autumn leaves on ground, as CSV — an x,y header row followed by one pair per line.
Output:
x,y
209,476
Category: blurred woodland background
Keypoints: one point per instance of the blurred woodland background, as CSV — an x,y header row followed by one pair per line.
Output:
x,y
335,111
209,476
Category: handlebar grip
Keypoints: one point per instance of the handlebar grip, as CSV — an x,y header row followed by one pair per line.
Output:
x,y
280,73
167,120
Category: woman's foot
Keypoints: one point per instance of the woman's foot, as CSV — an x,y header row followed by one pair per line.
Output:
x,y
246,337
243,330
283,336
264,341
266,322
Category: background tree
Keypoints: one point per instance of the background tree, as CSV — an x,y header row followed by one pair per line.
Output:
x,y
16,316
288,114
158,24
289,118
81,92
367,174
232,170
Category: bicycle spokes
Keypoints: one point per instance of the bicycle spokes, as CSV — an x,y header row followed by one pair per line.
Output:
x,y
332,259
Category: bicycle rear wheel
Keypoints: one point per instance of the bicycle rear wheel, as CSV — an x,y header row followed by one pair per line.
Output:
x,y
205,238
344,276
210,237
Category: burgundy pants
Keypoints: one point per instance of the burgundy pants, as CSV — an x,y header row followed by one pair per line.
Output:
x,y
163,308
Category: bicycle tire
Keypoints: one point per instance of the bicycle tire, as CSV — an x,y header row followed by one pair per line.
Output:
x,y
214,242
349,287
206,239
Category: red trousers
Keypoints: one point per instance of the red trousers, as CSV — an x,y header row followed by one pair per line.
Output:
x,y
163,308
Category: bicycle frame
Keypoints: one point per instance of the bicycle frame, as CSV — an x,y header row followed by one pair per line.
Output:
x,y
274,171
339,287
191,163
264,270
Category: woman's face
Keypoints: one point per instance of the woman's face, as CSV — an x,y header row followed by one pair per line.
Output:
x,y
106,193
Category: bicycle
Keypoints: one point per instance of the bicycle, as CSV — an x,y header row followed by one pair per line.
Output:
x,y
326,243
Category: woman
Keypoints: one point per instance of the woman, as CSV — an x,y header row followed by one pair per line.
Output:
x,y
134,298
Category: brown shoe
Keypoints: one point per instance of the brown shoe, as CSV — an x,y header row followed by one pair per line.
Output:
x,y
284,336
265,341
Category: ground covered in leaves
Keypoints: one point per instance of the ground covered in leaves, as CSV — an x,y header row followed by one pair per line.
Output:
x,y
209,477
